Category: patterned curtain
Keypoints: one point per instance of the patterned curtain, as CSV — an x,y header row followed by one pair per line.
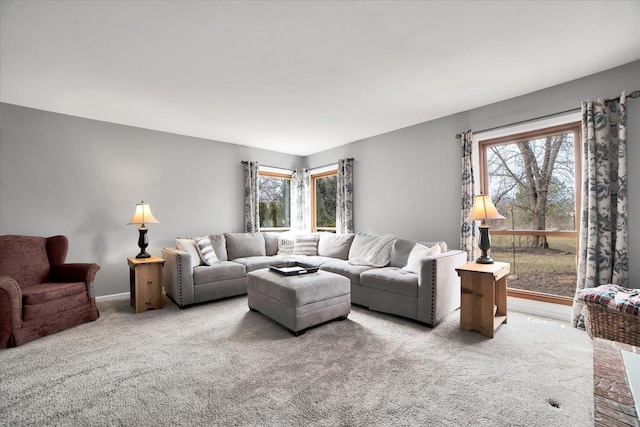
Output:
x,y
468,235
251,213
301,200
344,197
603,247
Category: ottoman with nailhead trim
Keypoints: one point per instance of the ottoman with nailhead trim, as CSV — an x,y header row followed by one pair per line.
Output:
x,y
299,302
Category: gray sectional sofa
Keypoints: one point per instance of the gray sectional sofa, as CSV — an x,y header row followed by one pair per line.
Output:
x,y
426,295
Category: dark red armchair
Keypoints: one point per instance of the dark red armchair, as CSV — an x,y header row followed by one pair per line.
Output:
x,y
39,293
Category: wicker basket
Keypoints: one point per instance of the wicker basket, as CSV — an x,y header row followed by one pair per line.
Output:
x,y
602,322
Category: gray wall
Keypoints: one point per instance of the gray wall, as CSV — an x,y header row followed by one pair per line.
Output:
x,y
82,178
66,175
407,181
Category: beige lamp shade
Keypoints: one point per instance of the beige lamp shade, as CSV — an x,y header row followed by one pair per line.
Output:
x,y
143,215
483,209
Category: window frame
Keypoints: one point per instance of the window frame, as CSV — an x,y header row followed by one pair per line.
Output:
x,y
542,132
314,177
272,174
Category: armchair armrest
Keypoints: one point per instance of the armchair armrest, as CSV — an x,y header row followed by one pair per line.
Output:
x,y
10,310
439,286
79,272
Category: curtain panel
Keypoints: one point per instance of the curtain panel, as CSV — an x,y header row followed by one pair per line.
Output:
x,y
603,243
344,197
301,200
251,212
468,236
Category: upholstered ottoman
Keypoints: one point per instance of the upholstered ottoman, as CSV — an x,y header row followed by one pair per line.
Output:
x,y
299,302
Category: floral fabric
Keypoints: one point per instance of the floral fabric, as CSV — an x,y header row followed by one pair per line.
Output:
x,y
615,297
251,213
603,245
468,235
301,200
344,197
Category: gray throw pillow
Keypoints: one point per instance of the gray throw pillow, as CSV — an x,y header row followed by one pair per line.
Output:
x,y
240,245
305,245
206,251
270,243
219,245
359,241
400,252
335,245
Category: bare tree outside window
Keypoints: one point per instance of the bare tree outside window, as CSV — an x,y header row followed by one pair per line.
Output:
x,y
274,201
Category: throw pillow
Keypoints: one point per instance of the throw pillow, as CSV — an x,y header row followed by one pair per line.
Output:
x,y
241,245
418,254
285,244
305,245
335,245
189,245
206,251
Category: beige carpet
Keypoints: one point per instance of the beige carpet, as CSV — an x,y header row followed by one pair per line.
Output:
x,y
219,364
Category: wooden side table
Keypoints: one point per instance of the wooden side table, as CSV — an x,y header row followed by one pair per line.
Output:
x,y
483,297
145,282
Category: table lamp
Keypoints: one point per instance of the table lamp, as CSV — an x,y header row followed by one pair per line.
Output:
x,y
143,216
483,209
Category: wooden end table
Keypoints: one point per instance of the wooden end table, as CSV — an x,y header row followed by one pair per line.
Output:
x,y
145,282
483,296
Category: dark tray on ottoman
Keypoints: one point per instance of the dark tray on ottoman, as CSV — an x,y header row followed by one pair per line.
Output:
x,y
293,268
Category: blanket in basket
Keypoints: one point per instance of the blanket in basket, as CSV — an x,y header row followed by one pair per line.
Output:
x,y
614,297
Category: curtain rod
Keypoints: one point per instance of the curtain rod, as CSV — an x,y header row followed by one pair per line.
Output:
x,y
244,162
635,94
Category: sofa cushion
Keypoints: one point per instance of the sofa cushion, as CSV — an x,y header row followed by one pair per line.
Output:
x,y
417,256
335,245
224,270
219,245
54,307
206,251
44,292
391,279
270,243
258,262
305,245
359,240
240,245
400,252
343,268
189,245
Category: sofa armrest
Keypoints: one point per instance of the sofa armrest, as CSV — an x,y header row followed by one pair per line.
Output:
x,y
177,276
10,310
79,272
439,286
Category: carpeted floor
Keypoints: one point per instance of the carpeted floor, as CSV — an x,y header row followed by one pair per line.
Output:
x,y
219,364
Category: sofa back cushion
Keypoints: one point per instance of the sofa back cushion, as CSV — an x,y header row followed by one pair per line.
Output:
x,y
270,243
24,259
240,245
335,245
359,240
219,244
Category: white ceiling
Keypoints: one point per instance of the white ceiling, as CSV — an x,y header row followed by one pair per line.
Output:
x,y
299,77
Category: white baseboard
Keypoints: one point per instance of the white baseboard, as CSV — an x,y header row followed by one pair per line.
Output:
x,y
123,295
540,309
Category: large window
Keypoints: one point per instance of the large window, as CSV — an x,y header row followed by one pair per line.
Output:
x,y
323,201
532,179
274,201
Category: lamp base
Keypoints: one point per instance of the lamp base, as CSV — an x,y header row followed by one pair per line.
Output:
x,y
143,242
146,255
484,259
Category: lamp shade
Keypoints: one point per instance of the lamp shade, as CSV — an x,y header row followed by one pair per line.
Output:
x,y
483,209
143,215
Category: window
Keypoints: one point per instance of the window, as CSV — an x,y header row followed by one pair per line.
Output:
x,y
532,178
324,187
274,201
